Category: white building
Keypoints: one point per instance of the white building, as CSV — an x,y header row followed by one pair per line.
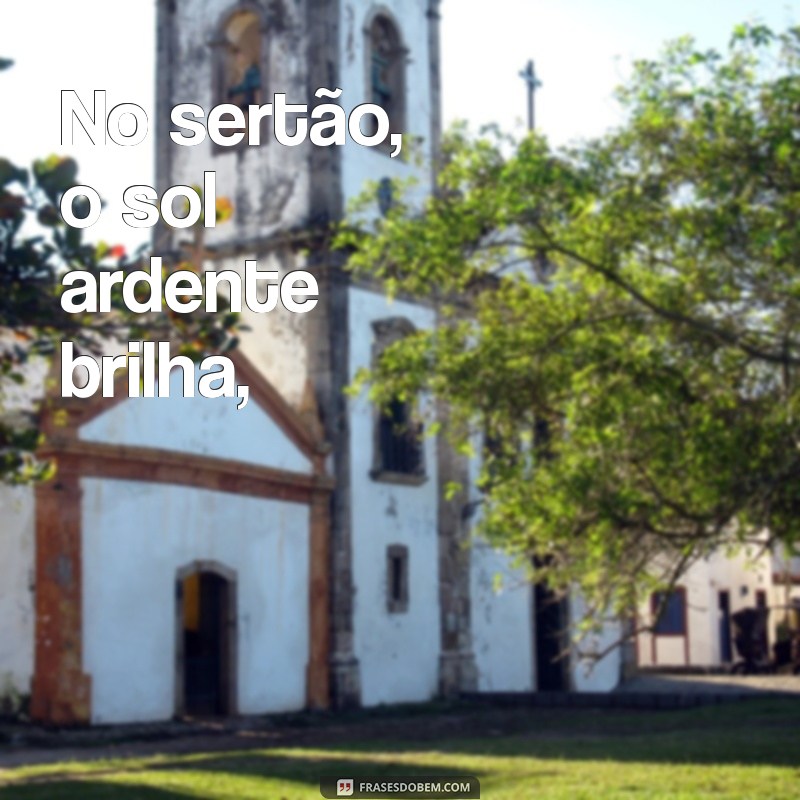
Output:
x,y
696,629
193,558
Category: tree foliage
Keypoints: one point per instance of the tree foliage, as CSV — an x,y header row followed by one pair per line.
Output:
x,y
36,247
619,320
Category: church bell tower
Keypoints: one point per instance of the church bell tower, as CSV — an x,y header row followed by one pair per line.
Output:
x,y
284,198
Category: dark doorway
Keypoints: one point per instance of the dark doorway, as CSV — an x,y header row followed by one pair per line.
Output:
x,y
725,647
205,602
551,624
761,605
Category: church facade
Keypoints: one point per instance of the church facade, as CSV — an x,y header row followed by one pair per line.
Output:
x,y
189,558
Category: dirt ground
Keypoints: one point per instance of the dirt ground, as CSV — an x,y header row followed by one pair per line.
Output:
x,y
25,745
419,724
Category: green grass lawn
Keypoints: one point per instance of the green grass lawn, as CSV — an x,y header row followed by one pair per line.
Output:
x,y
747,750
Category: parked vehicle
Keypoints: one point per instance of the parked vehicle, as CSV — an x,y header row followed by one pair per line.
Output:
x,y
750,638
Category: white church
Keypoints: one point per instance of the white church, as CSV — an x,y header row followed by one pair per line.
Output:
x,y
192,559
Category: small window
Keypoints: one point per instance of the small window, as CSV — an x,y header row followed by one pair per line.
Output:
x,y
672,619
542,437
386,70
497,458
399,453
399,442
397,579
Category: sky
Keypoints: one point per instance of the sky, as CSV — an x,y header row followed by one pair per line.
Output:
x,y
582,49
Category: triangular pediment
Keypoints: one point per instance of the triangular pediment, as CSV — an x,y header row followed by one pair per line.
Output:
x,y
267,432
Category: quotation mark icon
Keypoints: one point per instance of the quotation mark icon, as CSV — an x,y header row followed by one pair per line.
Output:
x,y
344,787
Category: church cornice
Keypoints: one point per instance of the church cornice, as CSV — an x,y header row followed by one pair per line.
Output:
x,y
154,465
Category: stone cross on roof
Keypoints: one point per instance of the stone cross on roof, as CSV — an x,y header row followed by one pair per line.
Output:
x,y
533,83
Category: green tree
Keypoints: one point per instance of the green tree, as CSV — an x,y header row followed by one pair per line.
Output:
x,y
36,247
619,320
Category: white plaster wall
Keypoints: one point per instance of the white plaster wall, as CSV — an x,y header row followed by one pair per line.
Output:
x,y
398,653
503,631
671,651
501,609
701,602
362,164
590,674
700,646
741,574
783,561
199,425
275,342
502,624
135,538
17,553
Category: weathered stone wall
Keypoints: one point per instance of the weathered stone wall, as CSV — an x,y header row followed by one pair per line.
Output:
x,y
16,590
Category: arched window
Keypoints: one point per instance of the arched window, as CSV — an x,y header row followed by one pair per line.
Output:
x,y
386,69
398,451
240,51
399,446
243,79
